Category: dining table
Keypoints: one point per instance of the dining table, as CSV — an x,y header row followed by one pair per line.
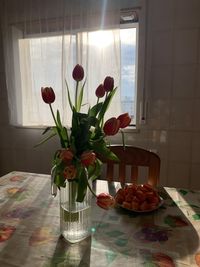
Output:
x,y
30,228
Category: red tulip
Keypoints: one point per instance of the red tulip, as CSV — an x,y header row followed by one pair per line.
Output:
x,y
124,119
105,201
66,155
88,158
78,73
111,126
108,84
48,95
100,91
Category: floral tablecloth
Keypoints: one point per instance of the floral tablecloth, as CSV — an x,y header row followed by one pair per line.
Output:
x,y
29,229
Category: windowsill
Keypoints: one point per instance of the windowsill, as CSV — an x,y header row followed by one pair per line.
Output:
x,y
131,129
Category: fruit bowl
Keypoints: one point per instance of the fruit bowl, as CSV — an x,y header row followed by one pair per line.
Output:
x,y
138,198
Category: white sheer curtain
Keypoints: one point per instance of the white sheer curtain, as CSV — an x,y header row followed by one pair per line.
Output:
x,y
44,40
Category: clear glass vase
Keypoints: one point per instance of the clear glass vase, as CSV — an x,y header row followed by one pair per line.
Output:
x,y
75,217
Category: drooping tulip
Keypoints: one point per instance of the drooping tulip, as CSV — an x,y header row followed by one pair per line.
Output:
x,y
48,95
105,201
69,172
111,126
108,84
124,119
66,155
100,91
88,158
78,73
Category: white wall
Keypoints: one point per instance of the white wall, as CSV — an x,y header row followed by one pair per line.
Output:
x,y
173,92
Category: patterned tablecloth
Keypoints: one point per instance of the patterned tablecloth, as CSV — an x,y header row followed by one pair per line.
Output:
x,y
29,229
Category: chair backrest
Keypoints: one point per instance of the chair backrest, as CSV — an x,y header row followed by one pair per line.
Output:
x,y
134,157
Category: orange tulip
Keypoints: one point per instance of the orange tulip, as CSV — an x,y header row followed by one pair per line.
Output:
x,y
105,201
48,95
111,126
88,158
66,155
124,119
69,172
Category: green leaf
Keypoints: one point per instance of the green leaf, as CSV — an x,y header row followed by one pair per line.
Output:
x,y
101,148
69,98
94,170
80,131
59,180
106,104
95,109
93,121
82,186
46,130
62,131
80,97
45,139
58,119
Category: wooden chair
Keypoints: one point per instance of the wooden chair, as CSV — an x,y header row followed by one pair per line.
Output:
x,y
134,157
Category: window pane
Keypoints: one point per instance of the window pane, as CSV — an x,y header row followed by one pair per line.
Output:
x,y
42,60
128,71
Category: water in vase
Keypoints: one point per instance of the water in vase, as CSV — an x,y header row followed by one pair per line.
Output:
x,y
75,223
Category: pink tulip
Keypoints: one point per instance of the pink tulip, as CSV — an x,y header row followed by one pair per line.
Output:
x,y
48,95
124,119
111,126
105,201
78,73
108,84
100,91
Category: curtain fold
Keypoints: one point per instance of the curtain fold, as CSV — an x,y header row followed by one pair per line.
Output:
x,y
44,40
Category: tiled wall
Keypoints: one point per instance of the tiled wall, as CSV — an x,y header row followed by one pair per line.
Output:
x,y
174,87
173,94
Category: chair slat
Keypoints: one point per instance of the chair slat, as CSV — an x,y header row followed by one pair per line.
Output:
x,y
110,171
122,172
134,157
134,174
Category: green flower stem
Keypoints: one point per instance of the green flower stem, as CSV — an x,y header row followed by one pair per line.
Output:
x,y
123,139
72,194
67,135
76,95
102,122
54,118
58,129
91,190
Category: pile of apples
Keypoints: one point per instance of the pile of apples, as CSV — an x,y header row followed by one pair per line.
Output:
x,y
138,197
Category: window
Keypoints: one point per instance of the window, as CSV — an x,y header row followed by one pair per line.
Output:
x,y
46,56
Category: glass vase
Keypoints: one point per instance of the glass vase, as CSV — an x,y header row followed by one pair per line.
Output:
x,y
75,217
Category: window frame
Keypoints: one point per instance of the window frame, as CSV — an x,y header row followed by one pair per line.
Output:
x,y
129,25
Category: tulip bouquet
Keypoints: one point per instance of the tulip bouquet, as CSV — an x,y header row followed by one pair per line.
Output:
x,y
77,159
